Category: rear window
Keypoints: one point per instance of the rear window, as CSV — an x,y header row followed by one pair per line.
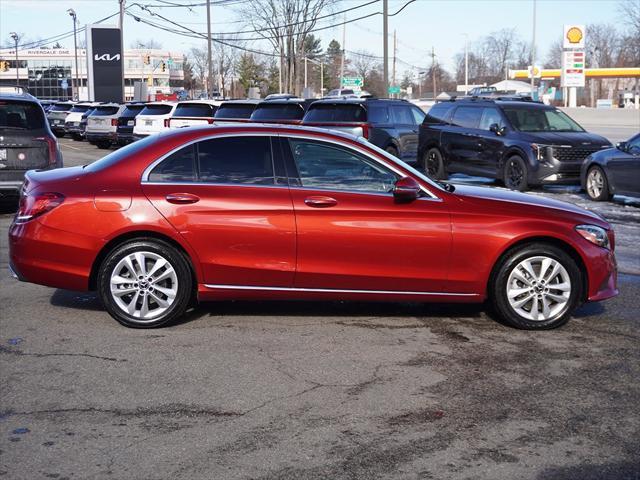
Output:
x,y
237,110
22,115
438,113
331,112
194,110
468,117
132,110
104,111
61,107
80,108
156,110
266,111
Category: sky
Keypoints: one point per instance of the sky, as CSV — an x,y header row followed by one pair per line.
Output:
x,y
424,24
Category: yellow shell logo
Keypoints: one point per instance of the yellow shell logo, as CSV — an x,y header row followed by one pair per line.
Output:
x,y
574,35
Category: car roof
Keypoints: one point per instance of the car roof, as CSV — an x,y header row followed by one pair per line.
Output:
x,y
201,101
161,103
358,100
23,97
249,101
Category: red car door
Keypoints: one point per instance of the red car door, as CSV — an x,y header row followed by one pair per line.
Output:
x,y
223,197
352,235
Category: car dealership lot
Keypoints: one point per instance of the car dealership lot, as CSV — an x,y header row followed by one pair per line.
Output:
x,y
319,390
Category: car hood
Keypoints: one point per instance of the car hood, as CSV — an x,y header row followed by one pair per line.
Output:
x,y
516,200
575,139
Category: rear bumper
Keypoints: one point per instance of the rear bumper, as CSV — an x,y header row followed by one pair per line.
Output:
x,y
125,138
11,188
74,129
94,137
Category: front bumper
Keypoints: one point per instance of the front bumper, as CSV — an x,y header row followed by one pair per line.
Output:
x,y
602,272
555,172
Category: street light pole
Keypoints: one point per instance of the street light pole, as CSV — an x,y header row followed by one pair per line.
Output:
x,y
466,63
385,45
533,49
209,59
15,37
75,90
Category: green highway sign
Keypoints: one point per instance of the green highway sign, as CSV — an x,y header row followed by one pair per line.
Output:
x,y
352,82
393,90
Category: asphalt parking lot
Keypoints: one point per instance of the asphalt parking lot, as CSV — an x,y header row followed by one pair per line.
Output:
x,y
291,390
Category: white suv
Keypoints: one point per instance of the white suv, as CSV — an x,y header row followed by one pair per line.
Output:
x,y
153,118
194,112
102,124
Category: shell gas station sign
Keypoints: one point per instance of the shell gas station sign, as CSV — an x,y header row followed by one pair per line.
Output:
x,y
573,59
573,37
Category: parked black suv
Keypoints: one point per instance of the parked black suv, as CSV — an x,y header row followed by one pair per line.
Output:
x,y
289,110
520,142
387,123
126,122
26,142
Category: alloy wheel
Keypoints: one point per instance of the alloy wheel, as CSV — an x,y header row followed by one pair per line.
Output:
x,y
514,174
144,285
433,164
539,288
595,183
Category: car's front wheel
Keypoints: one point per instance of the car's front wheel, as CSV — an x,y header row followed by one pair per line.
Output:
x,y
536,287
434,164
597,184
145,283
515,173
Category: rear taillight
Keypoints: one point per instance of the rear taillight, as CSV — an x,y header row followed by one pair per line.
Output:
x,y
32,206
365,130
52,148
114,122
166,122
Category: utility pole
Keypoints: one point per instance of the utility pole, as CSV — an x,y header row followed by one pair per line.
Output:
x,y
209,59
76,84
466,63
395,48
433,71
344,40
533,49
385,45
15,37
121,24
305,72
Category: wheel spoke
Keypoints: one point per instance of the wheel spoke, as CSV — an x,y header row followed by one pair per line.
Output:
x,y
522,301
546,263
119,292
534,308
131,308
160,262
518,275
162,303
546,311
516,292
144,309
563,287
167,291
526,265
129,266
119,280
166,274
140,259
557,298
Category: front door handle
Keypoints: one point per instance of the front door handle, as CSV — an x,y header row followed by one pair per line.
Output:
x,y
182,198
320,202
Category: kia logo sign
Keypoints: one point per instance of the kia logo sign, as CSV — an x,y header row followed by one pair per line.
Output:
x,y
106,57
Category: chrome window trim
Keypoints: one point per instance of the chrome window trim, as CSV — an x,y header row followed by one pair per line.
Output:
x,y
335,290
384,162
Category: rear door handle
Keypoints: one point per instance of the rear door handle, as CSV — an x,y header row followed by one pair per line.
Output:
x,y
320,202
182,198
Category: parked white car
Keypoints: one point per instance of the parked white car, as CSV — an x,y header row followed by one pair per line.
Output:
x,y
153,118
74,118
194,112
102,124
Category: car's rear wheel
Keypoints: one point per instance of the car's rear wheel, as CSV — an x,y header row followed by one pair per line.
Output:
x,y
536,287
434,164
77,137
103,145
145,283
515,173
597,184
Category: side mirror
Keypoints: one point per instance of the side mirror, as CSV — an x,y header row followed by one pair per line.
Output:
x,y
406,190
497,129
622,146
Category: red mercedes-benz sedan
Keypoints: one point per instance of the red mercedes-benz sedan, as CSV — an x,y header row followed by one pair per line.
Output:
x,y
269,212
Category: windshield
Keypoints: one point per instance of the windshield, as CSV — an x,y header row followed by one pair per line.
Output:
x,y
238,110
23,115
331,112
275,111
541,120
156,110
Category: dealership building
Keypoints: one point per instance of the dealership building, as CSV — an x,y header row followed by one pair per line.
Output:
x,y
49,73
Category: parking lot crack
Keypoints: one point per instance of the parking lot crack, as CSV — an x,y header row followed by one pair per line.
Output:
x,y
12,351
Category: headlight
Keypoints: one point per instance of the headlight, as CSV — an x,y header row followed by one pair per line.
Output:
x,y
596,235
543,153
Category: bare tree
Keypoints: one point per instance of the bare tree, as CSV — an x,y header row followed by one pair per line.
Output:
x,y
198,59
150,44
285,24
554,54
362,64
499,50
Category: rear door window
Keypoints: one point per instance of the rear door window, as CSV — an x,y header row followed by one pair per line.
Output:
x,y
468,117
177,167
489,117
236,160
418,115
438,114
21,115
331,112
194,110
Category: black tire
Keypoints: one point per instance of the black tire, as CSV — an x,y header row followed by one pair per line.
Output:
x,y
103,145
515,173
182,275
499,284
433,164
597,184
58,134
77,137
393,151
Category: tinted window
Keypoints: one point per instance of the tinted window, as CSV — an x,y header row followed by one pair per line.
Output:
x,y
468,117
132,110
489,117
331,112
103,111
271,111
540,120
194,110
401,115
439,113
235,110
61,107
418,115
80,108
245,160
24,115
378,114
334,168
156,110
633,146
177,167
